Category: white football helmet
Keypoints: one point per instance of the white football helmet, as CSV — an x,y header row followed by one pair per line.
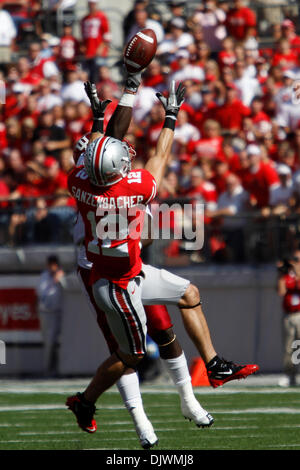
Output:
x,y
107,161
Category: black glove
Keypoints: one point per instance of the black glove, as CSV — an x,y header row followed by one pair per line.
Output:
x,y
133,81
174,101
98,107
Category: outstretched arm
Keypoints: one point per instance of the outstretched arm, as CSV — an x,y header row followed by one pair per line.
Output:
x,y
156,165
120,120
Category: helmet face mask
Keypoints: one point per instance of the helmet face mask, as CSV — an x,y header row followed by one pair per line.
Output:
x,y
107,161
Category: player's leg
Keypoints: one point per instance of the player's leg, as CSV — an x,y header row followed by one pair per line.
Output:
x,y
161,286
219,370
160,330
127,321
128,384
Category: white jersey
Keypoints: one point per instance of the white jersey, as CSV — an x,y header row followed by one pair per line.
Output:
x,y
79,234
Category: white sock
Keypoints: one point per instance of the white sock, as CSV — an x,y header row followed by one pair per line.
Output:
x,y
179,372
129,389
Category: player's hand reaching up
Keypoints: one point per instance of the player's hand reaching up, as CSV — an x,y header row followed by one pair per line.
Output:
x,y
175,99
133,81
98,107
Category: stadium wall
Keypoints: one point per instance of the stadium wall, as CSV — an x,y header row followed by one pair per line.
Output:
x,y
241,305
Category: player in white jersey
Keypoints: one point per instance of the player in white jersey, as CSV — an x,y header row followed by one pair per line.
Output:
x,y
159,328
122,297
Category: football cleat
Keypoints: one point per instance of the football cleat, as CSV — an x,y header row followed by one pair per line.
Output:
x,y
83,411
223,371
148,439
196,413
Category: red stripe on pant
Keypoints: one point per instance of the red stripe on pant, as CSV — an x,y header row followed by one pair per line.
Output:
x,y
158,318
101,318
131,321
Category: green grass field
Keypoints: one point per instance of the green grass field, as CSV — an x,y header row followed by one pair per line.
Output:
x,y
34,417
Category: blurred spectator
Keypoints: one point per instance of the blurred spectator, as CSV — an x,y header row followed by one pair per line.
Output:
x,y
212,20
258,178
41,67
176,39
154,76
209,145
96,38
52,137
184,177
156,117
177,8
68,48
240,21
66,160
141,20
285,56
7,36
73,89
281,196
288,32
232,202
227,56
185,132
287,111
221,172
230,115
186,71
105,79
47,99
248,86
201,190
56,179
50,296
288,287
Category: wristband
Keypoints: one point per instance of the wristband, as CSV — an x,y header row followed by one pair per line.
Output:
x,y
170,121
98,124
127,99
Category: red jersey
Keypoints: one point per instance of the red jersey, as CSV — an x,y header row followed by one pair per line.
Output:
x,y
219,181
153,133
69,49
95,31
238,21
116,258
206,148
205,192
286,61
230,115
258,184
291,300
226,59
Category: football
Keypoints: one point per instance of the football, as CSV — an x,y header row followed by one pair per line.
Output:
x,y
140,50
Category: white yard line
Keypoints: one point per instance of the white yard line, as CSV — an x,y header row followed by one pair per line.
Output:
x,y
58,406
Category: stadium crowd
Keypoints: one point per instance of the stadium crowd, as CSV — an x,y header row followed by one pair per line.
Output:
x,y
237,141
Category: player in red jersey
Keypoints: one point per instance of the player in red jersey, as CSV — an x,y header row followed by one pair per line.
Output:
x,y
107,191
159,329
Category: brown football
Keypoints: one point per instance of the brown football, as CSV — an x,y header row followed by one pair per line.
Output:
x,y
140,50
